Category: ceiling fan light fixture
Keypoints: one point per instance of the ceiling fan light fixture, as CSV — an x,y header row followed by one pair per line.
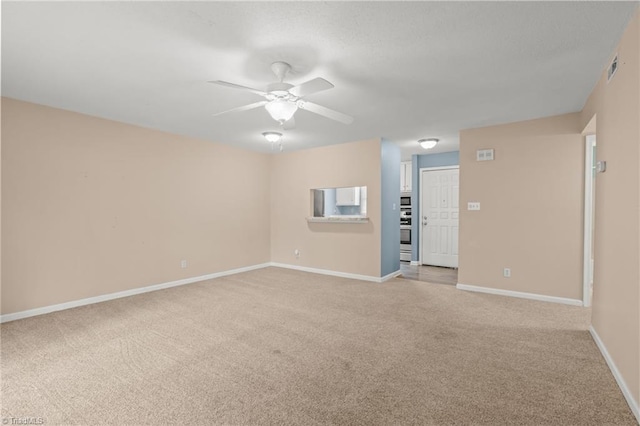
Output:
x,y
281,110
428,143
272,137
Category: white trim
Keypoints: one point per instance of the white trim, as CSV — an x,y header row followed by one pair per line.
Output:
x,y
111,296
518,294
587,272
415,263
431,169
337,273
616,373
390,276
420,171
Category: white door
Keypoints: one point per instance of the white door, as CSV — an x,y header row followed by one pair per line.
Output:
x,y
439,217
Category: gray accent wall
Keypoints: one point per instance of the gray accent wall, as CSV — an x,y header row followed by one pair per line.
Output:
x,y
420,162
390,205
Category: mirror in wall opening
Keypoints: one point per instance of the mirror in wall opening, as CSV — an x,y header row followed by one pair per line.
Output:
x,y
339,203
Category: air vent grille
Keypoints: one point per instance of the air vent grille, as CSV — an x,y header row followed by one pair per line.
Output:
x,y
484,155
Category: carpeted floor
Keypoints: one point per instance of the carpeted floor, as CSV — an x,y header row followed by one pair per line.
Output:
x,y
276,346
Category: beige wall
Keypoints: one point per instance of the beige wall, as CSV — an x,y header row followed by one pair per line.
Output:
x,y
531,216
349,248
531,200
616,293
91,206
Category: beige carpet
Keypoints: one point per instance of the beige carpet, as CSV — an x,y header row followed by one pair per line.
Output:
x,y
277,346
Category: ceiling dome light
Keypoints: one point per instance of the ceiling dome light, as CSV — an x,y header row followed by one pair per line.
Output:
x,y
281,110
272,137
428,143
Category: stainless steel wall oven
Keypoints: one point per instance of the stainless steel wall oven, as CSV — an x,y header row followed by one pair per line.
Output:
x,y
405,237
405,226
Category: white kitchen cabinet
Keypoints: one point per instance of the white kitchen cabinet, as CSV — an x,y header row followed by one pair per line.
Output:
x,y
348,196
405,176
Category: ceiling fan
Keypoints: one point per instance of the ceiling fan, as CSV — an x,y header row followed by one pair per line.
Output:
x,y
282,100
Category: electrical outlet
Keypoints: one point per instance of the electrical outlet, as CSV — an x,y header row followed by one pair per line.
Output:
x,y
183,263
296,252
507,273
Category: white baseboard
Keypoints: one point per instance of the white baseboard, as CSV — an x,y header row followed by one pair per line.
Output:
x,y
616,374
390,276
415,263
518,294
337,273
125,293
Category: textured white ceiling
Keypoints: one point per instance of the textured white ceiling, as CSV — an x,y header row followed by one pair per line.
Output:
x,y
404,70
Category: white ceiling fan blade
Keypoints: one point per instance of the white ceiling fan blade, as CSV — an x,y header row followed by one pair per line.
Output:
x,y
237,86
311,86
243,108
289,124
326,112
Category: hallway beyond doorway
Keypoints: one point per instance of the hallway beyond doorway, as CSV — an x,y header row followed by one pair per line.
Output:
x,y
430,274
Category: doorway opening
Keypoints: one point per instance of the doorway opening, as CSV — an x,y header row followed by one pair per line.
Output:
x,y
430,274
589,213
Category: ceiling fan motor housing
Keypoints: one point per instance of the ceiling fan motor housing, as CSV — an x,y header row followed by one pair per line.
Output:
x,y
280,90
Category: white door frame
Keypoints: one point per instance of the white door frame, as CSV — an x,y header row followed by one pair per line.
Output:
x,y
587,278
419,217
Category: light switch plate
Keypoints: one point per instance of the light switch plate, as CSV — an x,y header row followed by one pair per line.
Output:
x,y
474,205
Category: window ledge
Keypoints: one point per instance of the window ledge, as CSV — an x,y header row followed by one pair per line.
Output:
x,y
338,219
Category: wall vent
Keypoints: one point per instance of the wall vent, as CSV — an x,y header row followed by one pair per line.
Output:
x,y
612,69
484,155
